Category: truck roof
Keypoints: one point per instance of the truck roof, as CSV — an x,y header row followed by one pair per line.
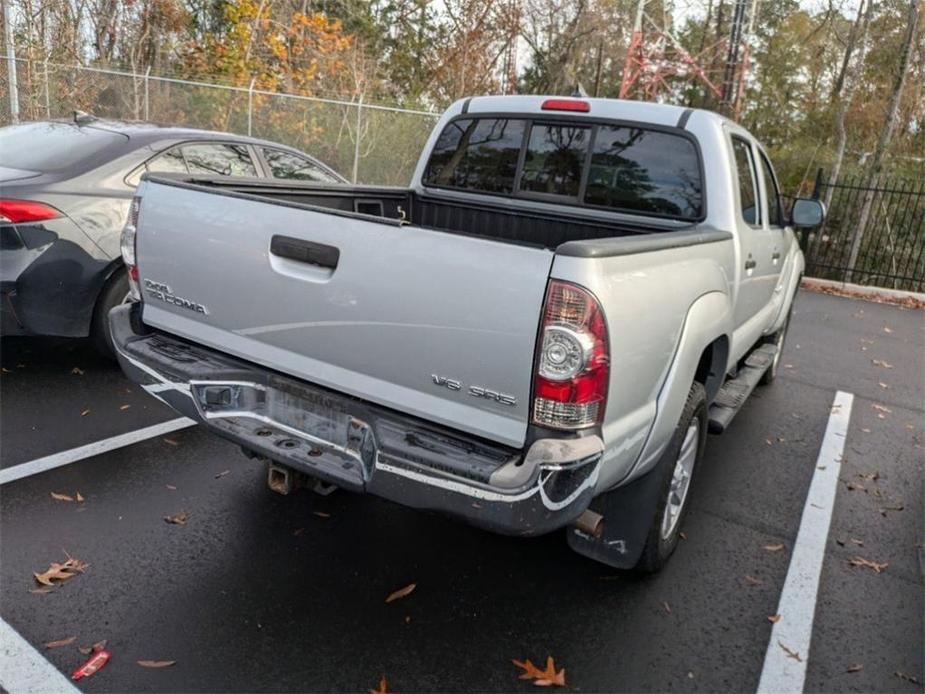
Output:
x,y
618,109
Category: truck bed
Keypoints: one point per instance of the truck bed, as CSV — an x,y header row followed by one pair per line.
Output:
x,y
499,222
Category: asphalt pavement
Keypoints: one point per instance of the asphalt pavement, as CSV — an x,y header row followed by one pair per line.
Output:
x,y
261,592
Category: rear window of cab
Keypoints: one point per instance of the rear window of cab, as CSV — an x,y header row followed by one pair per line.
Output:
x,y
625,168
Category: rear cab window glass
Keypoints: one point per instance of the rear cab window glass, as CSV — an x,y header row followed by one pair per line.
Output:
x,y
554,159
477,154
748,185
648,171
285,165
638,170
219,159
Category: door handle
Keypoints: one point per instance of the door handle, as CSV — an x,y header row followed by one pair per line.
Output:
x,y
750,264
305,251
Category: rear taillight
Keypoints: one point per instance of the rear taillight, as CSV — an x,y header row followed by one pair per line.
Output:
x,y
573,363
127,246
20,211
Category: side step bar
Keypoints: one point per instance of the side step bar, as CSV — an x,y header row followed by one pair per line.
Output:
x,y
735,391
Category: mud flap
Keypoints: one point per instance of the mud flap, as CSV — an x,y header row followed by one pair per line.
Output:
x,y
628,512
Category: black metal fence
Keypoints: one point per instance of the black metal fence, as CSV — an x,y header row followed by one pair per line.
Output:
x,y
874,232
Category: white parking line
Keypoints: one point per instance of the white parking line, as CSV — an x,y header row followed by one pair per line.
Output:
x,y
50,462
23,669
788,650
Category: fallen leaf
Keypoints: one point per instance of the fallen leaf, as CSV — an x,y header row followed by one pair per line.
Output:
x,y
322,514
77,371
869,476
401,593
774,548
223,473
5,370
172,442
541,678
890,508
854,668
93,664
868,564
774,618
667,607
156,663
124,407
887,330
42,591
63,642
85,413
60,572
178,519
884,364
683,536
904,676
61,497
298,531
171,487
382,687
752,581
790,653
79,498
881,408
859,543
882,385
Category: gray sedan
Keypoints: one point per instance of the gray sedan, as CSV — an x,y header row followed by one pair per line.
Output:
x,y
65,189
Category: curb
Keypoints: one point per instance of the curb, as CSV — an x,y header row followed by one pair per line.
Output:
x,y
880,295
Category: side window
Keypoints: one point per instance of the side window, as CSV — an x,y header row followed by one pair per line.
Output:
x,y
775,215
554,160
286,165
479,154
170,161
219,159
748,188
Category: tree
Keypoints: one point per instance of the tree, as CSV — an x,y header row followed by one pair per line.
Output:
x,y
883,141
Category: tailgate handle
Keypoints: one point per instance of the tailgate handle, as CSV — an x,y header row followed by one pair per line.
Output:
x,y
305,251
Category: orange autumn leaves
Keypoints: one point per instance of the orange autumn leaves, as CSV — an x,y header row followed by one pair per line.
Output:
x,y
541,678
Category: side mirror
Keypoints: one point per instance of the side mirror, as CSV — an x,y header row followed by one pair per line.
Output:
x,y
807,213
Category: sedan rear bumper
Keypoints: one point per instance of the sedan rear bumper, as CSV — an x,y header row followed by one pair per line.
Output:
x,y
359,445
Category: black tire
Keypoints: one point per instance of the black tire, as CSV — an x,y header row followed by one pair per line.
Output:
x,y
659,547
779,338
113,294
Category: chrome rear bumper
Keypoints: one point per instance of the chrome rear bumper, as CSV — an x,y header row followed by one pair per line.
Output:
x,y
359,445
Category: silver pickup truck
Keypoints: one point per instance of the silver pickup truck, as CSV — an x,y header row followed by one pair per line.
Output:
x,y
537,334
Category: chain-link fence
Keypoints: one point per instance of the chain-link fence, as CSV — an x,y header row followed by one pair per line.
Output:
x,y
367,143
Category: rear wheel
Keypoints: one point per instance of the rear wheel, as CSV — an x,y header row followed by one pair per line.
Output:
x,y
115,292
677,466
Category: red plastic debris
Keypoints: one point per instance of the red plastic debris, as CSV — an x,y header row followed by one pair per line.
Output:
x,y
96,661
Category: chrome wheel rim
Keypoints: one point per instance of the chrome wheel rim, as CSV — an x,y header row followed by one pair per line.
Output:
x,y
680,480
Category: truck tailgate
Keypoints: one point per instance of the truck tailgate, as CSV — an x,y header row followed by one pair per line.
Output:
x,y
438,325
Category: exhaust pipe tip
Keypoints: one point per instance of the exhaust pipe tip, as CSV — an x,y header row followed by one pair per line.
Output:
x,y
590,523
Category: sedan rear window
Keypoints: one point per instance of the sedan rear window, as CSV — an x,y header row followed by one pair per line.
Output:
x,y
51,147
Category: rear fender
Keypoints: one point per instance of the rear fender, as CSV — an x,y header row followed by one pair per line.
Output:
x,y
708,319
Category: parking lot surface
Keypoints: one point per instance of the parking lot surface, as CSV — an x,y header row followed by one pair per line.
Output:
x,y
261,592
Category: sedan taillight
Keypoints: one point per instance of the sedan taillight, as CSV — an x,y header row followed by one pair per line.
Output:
x,y
573,363
21,211
127,246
